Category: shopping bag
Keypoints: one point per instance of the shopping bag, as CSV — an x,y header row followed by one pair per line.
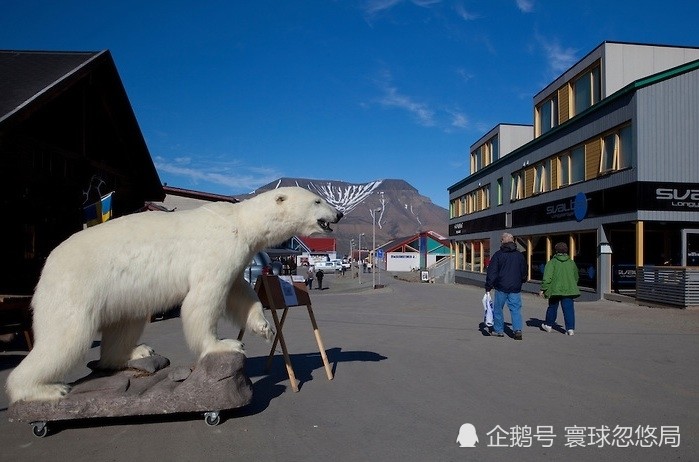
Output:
x,y
488,309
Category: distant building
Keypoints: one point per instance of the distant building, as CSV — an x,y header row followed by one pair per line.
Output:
x,y
413,253
612,169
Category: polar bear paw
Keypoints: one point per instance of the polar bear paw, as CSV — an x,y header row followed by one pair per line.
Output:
x,y
142,351
264,330
46,392
225,345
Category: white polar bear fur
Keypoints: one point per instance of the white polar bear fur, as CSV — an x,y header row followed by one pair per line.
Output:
x,y
114,276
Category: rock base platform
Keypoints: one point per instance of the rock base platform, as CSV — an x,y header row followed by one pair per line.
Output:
x,y
149,386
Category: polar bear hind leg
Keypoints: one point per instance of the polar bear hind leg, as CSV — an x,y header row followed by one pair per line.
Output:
x,y
118,344
56,351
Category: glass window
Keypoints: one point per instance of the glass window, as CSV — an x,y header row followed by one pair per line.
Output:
x,y
577,164
517,186
499,191
476,161
540,183
625,148
548,115
608,153
582,93
565,170
495,149
586,90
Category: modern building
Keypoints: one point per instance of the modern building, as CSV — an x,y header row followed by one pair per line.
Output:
x,y
611,168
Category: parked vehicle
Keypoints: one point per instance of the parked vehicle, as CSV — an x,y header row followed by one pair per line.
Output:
x,y
328,265
261,264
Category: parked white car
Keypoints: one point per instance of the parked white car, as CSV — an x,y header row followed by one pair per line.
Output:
x,y
326,266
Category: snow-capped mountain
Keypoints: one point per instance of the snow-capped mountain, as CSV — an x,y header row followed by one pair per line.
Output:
x,y
395,206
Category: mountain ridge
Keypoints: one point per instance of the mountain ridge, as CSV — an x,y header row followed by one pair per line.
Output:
x,y
402,210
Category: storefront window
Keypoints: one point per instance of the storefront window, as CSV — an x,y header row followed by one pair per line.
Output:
x,y
586,259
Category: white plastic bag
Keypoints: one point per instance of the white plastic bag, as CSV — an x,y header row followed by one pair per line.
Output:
x,y
488,309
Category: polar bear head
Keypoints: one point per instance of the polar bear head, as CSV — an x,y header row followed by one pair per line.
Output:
x,y
290,211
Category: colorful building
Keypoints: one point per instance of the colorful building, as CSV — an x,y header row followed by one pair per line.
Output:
x,y
611,168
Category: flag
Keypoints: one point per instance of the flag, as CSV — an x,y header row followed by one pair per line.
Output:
x,y
99,212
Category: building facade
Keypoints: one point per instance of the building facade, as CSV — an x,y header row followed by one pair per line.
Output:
x,y
611,168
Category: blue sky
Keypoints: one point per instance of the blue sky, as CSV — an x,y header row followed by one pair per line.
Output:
x,y
231,95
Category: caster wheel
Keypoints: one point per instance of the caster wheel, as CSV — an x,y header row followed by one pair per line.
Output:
x,y
39,429
212,418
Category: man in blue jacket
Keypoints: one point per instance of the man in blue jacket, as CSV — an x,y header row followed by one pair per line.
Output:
x,y
507,272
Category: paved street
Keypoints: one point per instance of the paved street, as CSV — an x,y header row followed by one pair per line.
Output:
x,y
411,366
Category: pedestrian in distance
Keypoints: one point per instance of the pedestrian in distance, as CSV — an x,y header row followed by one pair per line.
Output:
x,y
319,276
309,278
560,286
506,273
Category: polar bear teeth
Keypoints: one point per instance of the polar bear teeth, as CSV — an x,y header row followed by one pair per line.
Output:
x,y
325,225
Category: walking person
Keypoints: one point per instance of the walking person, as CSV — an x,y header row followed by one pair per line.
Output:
x,y
506,273
309,278
319,276
560,286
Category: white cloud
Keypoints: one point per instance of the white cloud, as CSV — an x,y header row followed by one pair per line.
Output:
x,y
423,114
373,7
459,120
231,177
465,15
559,58
525,6
464,74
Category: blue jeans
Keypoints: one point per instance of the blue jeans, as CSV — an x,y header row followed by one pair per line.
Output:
x,y
567,304
514,303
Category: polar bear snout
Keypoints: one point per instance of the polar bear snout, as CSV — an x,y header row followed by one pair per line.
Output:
x,y
325,225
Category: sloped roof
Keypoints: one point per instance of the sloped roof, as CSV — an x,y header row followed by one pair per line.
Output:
x,y
319,244
26,76
31,80
412,243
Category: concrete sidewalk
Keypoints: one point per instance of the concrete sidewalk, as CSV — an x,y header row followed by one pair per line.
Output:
x,y
411,366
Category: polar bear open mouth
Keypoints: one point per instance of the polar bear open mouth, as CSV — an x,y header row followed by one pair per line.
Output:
x,y
325,225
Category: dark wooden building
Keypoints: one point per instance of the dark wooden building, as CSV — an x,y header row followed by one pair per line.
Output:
x,y
68,135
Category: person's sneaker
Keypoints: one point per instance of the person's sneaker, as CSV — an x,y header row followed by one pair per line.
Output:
x,y
570,332
546,327
497,334
518,335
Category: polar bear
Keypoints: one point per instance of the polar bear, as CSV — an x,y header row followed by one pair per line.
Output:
x,y
114,276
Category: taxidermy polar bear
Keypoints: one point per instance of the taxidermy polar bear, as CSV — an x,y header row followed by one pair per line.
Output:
x,y
114,276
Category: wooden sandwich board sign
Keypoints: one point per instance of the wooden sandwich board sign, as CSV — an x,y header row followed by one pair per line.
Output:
x,y
281,293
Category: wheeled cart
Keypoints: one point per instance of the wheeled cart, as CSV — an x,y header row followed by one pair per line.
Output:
x,y
149,387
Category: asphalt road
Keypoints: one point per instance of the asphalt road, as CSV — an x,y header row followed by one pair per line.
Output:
x,y
411,367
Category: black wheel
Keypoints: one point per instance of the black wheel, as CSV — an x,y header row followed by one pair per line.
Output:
x,y
39,429
212,418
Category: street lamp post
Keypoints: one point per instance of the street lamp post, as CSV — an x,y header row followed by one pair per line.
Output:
x,y
359,258
373,246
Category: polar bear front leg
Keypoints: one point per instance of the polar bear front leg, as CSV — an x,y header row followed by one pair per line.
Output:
x,y
244,310
118,344
201,310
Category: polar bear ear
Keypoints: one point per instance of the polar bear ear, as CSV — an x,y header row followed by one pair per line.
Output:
x,y
281,198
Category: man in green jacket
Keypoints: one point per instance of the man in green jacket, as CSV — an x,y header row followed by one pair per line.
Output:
x,y
560,284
